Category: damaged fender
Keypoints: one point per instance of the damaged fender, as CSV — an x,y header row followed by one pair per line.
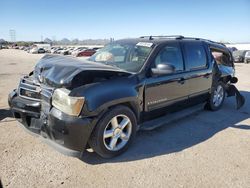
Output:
x,y
223,73
233,91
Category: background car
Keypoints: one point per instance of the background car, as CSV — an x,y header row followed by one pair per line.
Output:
x,y
239,55
66,51
77,50
247,57
60,50
40,51
96,48
56,51
53,49
87,52
33,50
27,49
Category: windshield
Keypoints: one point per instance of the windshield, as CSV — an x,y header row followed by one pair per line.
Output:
x,y
129,57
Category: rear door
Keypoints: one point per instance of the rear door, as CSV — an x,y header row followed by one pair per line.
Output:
x,y
199,77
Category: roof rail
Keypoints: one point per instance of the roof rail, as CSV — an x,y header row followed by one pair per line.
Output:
x,y
204,40
194,38
151,37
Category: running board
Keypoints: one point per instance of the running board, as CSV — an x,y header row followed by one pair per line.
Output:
x,y
170,118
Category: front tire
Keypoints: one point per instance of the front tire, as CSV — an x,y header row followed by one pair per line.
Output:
x,y
114,132
217,97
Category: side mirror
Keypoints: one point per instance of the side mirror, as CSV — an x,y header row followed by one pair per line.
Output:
x,y
162,69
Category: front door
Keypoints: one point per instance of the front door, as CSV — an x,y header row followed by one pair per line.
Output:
x,y
165,90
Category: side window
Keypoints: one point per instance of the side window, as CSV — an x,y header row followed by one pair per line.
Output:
x,y
170,54
195,56
221,57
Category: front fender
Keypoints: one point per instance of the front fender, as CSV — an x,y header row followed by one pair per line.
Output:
x,y
102,95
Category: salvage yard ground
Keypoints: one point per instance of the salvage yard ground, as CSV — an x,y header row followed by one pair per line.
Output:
x,y
208,149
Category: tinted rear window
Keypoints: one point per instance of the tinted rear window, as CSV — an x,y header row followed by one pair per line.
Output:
x,y
195,55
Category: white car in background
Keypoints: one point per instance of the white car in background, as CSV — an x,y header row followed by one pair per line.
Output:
x,y
34,50
71,50
53,50
65,51
56,50
77,50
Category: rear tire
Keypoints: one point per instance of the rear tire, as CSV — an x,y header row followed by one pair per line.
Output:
x,y
217,97
114,132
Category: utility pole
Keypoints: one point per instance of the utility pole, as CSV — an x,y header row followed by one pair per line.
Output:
x,y
12,33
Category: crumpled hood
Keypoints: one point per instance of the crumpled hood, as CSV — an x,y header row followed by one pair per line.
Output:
x,y
59,71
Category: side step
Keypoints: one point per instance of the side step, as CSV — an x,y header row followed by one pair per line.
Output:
x,y
170,118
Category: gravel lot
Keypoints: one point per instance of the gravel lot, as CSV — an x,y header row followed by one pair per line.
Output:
x,y
209,149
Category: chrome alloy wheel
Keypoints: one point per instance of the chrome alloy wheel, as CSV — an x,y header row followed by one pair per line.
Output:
x,y
117,132
218,96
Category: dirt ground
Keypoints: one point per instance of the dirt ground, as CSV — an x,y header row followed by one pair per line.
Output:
x,y
209,149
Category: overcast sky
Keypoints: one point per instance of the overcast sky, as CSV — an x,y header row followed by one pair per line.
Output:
x,y
221,20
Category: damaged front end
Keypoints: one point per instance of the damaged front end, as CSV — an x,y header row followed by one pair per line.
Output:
x,y
31,105
37,102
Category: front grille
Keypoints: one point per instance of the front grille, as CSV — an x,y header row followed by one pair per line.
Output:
x,y
29,89
32,90
46,93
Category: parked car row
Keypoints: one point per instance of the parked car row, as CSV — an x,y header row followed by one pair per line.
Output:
x,y
3,47
75,51
241,56
37,51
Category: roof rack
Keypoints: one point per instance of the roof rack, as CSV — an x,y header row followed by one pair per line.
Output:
x,y
204,40
151,37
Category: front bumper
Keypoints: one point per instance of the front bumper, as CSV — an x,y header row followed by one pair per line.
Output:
x,y
67,134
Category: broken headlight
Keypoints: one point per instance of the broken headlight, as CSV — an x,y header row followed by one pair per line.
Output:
x,y
67,104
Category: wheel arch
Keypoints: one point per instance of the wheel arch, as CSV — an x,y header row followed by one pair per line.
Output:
x,y
130,104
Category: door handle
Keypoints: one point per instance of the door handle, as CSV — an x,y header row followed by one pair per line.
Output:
x,y
181,81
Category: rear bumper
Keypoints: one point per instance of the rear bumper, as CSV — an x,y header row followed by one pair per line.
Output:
x,y
67,134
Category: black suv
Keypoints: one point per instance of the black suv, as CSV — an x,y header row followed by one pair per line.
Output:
x,y
127,85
